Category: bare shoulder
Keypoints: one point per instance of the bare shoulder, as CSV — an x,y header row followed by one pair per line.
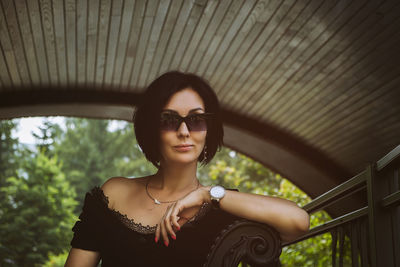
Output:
x,y
116,188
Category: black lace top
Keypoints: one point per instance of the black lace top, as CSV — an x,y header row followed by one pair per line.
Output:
x,y
123,242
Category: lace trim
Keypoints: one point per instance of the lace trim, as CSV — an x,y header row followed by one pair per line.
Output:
x,y
138,227
131,224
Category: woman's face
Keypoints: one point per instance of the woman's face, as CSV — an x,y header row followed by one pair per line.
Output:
x,y
184,102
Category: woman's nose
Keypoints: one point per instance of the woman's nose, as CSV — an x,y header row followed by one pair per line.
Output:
x,y
183,129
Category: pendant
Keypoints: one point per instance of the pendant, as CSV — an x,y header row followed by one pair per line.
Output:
x,y
157,202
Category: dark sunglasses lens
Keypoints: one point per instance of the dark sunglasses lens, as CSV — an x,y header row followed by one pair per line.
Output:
x,y
196,123
169,122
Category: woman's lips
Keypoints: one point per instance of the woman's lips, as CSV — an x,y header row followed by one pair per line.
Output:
x,y
183,148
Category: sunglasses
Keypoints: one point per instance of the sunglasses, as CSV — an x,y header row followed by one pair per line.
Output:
x,y
195,122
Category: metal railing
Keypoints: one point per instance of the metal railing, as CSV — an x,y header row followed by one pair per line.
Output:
x,y
374,230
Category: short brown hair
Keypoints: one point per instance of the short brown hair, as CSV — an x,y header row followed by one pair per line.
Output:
x,y
146,117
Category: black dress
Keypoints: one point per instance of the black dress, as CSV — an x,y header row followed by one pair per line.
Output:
x,y
122,242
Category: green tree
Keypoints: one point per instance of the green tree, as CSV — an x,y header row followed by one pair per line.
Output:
x,y
45,139
56,260
235,170
238,171
91,153
37,214
8,151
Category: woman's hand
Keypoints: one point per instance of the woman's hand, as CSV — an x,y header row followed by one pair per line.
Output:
x,y
180,212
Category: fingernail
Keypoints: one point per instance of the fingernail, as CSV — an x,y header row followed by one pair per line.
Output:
x,y
179,228
166,243
155,239
173,237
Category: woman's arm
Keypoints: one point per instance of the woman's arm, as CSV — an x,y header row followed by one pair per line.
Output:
x,y
82,258
283,215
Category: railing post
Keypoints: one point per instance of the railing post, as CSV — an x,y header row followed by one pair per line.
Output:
x,y
379,221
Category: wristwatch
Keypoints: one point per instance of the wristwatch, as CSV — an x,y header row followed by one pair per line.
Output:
x,y
217,192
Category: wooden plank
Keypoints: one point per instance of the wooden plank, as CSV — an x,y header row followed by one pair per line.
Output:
x,y
39,40
145,32
58,21
364,138
153,42
45,9
8,51
344,108
92,32
208,24
320,35
174,12
16,41
364,150
201,13
234,32
26,34
357,155
305,89
334,234
5,78
313,33
296,34
81,24
126,24
341,245
395,217
363,113
113,39
71,40
355,158
364,239
351,64
134,37
385,162
354,237
241,44
285,22
365,79
232,14
183,21
242,65
102,40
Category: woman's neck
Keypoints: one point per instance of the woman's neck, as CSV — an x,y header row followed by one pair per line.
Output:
x,y
172,179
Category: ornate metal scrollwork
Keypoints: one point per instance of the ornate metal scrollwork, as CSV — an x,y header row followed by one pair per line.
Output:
x,y
245,241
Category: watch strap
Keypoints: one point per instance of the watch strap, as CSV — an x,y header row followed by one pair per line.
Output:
x,y
215,200
215,204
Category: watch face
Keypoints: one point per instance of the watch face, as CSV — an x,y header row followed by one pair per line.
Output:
x,y
217,191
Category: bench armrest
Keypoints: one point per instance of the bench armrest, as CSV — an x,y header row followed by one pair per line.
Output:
x,y
246,241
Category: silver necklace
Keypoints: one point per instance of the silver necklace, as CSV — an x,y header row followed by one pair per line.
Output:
x,y
158,202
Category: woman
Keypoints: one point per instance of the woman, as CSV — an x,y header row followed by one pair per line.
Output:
x,y
177,125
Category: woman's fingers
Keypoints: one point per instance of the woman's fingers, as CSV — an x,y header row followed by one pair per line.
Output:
x,y
171,222
168,221
174,215
158,230
164,234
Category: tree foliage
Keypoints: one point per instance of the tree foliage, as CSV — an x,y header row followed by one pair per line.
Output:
x,y
36,214
41,192
8,150
238,171
91,153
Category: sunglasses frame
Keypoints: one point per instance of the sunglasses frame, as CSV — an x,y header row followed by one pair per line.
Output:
x,y
206,116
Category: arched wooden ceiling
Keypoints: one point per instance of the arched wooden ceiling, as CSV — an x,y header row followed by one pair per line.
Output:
x,y
309,88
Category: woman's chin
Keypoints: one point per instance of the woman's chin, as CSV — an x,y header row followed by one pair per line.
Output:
x,y
184,159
